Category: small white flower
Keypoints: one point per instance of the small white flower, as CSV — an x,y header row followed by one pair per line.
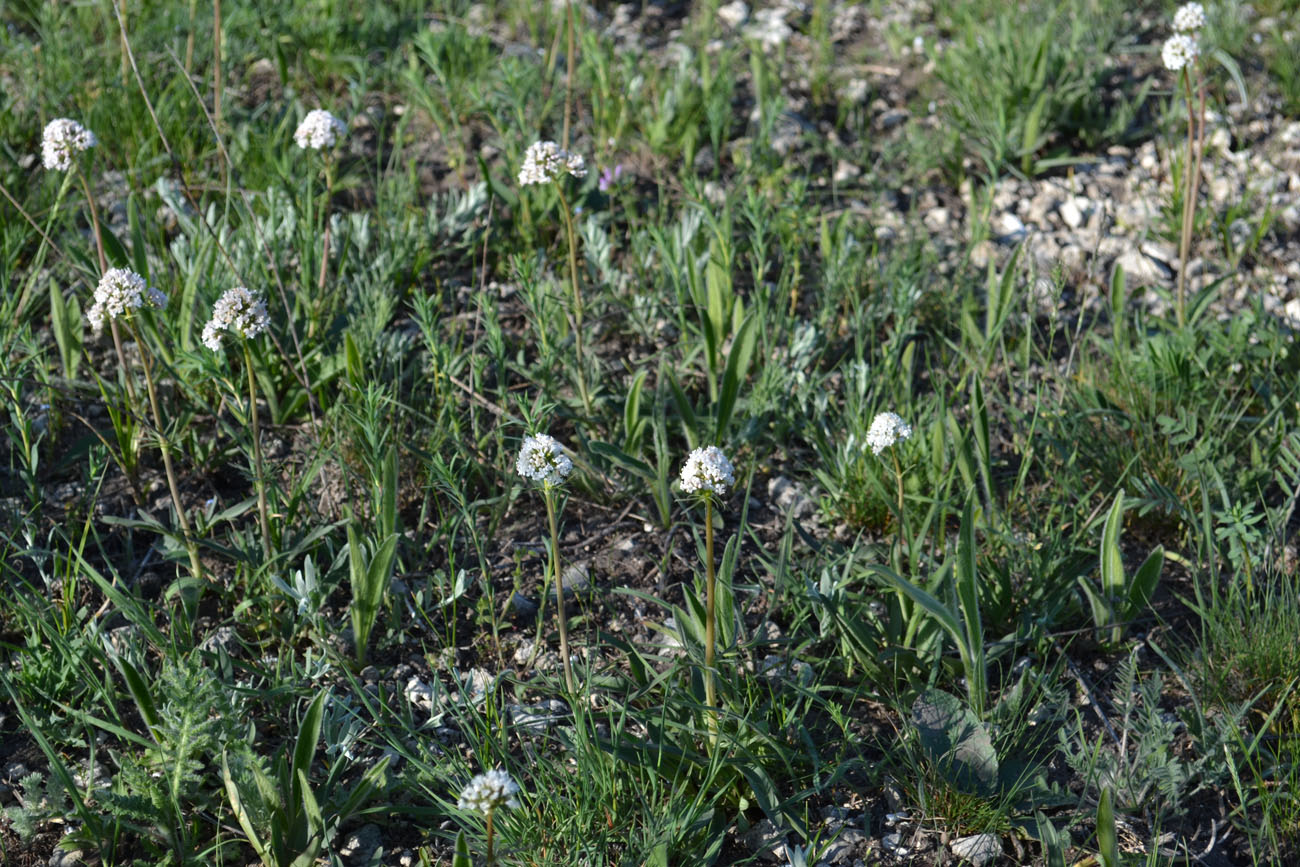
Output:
x,y
489,791
545,161
769,28
63,139
887,428
707,470
319,130
120,291
238,311
1189,18
1179,51
542,459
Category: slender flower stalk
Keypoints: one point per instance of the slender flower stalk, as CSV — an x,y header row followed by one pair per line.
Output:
x,y
545,162
542,460
259,473
325,219
561,617
707,474
572,240
242,313
191,546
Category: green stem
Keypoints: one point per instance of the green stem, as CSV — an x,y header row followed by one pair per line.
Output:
x,y
196,567
259,473
489,837
577,296
1189,204
710,622
559,589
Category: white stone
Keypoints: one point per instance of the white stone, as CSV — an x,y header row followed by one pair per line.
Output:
x,y
978,849
1009,228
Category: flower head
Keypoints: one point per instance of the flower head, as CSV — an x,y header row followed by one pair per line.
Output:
x,y
887,428
319,130
609,177
542,459
489,791
1189,18
63,139
1179,51
707,470
545,161
120,291
238,311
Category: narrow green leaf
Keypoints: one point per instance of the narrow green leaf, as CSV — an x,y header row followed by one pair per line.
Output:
x,y
143,700
1144,582
242,814
138,251
969,597
1107,840
1112,564
738,361
308,736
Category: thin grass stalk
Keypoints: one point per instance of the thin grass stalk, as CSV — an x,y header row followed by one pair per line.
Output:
x,y
258,471
710,622
125,65
559,590
196,567
570,60
189,40
572,239
216,63
490,829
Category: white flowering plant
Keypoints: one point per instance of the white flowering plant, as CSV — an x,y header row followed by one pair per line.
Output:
x,y
242,314
708,475
542,460
486,794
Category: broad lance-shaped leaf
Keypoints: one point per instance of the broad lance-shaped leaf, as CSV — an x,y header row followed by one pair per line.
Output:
x,y
954,739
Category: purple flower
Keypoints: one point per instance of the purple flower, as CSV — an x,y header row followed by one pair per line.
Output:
x,y
608,177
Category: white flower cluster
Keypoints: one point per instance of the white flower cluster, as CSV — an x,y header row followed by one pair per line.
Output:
x,y
319,130
707,470
120,291
489,791
542,459
887,428
544,161
1189,18
63,139
1182,49
238,311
